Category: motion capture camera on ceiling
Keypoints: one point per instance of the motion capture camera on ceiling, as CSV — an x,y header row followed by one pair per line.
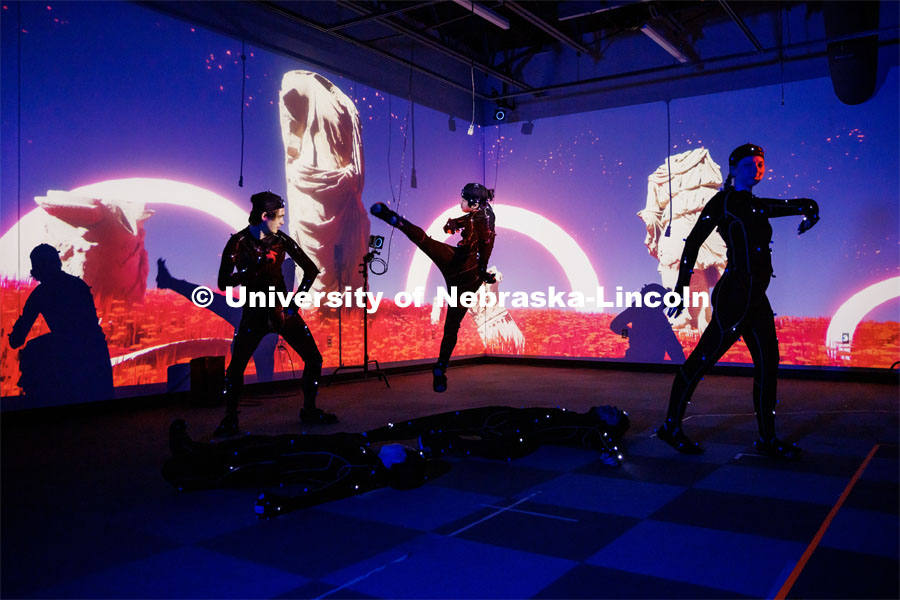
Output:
x,y
503,111
376,242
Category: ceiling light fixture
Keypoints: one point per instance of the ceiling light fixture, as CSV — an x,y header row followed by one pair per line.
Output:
x,y
658,36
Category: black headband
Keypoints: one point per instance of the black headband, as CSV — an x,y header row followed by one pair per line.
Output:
x,y
742,152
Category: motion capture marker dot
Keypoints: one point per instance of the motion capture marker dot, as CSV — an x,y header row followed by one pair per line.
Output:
x,y
235,453
390,424
355,487
305,490
620,457
521,440
457,412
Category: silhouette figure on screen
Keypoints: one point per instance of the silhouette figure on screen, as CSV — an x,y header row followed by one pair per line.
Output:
x,y
253,258
320,468
73,358
739,302
263,356
463,266
650,336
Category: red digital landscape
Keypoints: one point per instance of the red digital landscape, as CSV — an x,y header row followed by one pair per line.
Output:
x,y
170,329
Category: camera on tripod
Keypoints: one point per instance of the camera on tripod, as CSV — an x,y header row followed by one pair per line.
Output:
x,y
376,243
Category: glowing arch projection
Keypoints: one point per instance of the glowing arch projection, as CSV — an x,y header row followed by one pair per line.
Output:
x,y
30,230
852,312
564,249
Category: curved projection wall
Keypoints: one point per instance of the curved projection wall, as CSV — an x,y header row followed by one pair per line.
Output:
x,y
127,149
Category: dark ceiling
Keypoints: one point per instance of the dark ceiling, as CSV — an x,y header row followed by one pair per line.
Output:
x,y
540,58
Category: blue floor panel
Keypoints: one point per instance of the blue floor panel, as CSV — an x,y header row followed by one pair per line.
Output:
x,y
434,566
188,572
745,564
787,485
606,495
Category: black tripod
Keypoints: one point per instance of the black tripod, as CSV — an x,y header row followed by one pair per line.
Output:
x,y
377,372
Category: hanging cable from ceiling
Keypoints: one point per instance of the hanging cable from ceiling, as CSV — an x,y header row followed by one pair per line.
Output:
x,y
472,124
243,85
669,163
398,198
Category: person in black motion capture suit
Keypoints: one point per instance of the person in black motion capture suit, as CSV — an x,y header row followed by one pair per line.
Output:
x,y
740,305
252,258
320,468
463,266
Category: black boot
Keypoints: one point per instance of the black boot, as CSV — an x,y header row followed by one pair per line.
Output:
x,y
440,377
676,438
383,212
228,426
317,416
775,448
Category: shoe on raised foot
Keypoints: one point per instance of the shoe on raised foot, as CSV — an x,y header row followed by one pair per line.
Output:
x,y
163,277
440,379
775,448
228,426
317,416
678,440
383,212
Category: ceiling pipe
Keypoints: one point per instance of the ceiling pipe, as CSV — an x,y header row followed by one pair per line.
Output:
x,y
345,38
488,15
545,27
366,19
740,23
691,70
437,46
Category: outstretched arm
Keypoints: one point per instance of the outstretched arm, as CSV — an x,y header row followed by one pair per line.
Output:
x,y
789,208
310,270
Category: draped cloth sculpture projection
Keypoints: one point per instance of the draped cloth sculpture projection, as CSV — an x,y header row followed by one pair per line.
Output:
x,y
496,327
695,179
324,168
100,240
